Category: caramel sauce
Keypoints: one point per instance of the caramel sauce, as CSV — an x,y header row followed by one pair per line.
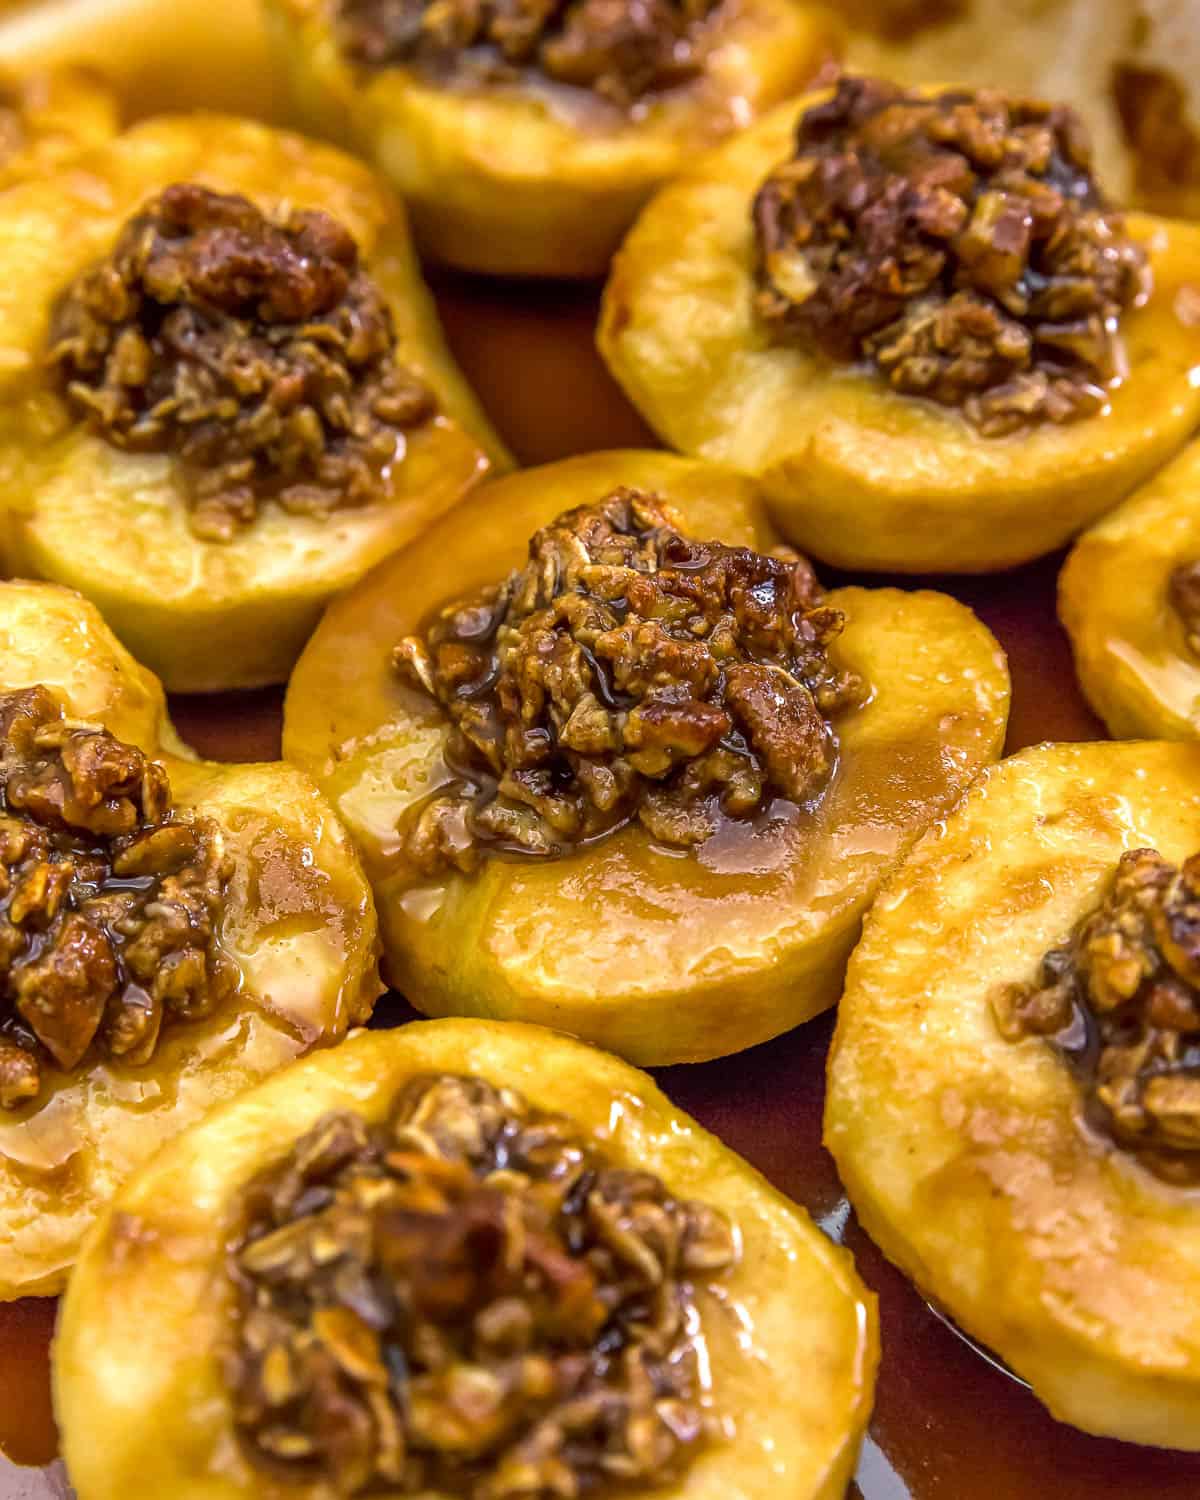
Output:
x,y
26,1423
949,1424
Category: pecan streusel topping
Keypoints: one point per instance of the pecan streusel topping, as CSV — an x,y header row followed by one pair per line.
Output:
x,y
255,350
622,50
1121,1001
959,242
109,900
469,1300
626,672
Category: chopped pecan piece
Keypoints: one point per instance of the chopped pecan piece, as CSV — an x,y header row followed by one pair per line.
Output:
x,y
622,50
1121,1001
957,241
470,1300
625,672
256,351
109,901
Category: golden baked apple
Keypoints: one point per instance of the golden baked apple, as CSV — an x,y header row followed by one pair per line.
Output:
x,y
223,394
185,55
1014,1102
525,138
1129,597
460,1259
612,775
1132,70
913,317
48,117
170,930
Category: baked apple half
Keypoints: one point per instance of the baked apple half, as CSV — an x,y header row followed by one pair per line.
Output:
x,y
526,136
468,1260
49,116
1014,1097
615,762
1129,597
223,393
913,316
170,930
158,58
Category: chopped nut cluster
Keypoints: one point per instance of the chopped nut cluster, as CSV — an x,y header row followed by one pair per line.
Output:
x,y
626,672
109,901
622,50
1183,592
257,351
1121,1000
959,243
470,1301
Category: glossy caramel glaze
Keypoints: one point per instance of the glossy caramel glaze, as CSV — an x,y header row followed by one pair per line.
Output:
x,y
861,475
1115,599
948,1425
207,614
296,921
542,178
747,938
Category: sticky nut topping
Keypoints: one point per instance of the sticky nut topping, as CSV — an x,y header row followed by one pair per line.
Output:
x,y
959,243
621,50
110,902
626,672
469,1300
1121,1002
254,349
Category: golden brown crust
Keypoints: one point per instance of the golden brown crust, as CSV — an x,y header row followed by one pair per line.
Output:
x,y
966,1155
206,615
792,1340
657,956
1124,600
297,922
860,475
542,181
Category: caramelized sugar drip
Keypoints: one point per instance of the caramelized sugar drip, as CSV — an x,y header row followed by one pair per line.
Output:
x,y
1183,592
622,50
899,21
959,243
255,350
1155,121
470,1301
1122,1001
14,122
626,672
109,901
